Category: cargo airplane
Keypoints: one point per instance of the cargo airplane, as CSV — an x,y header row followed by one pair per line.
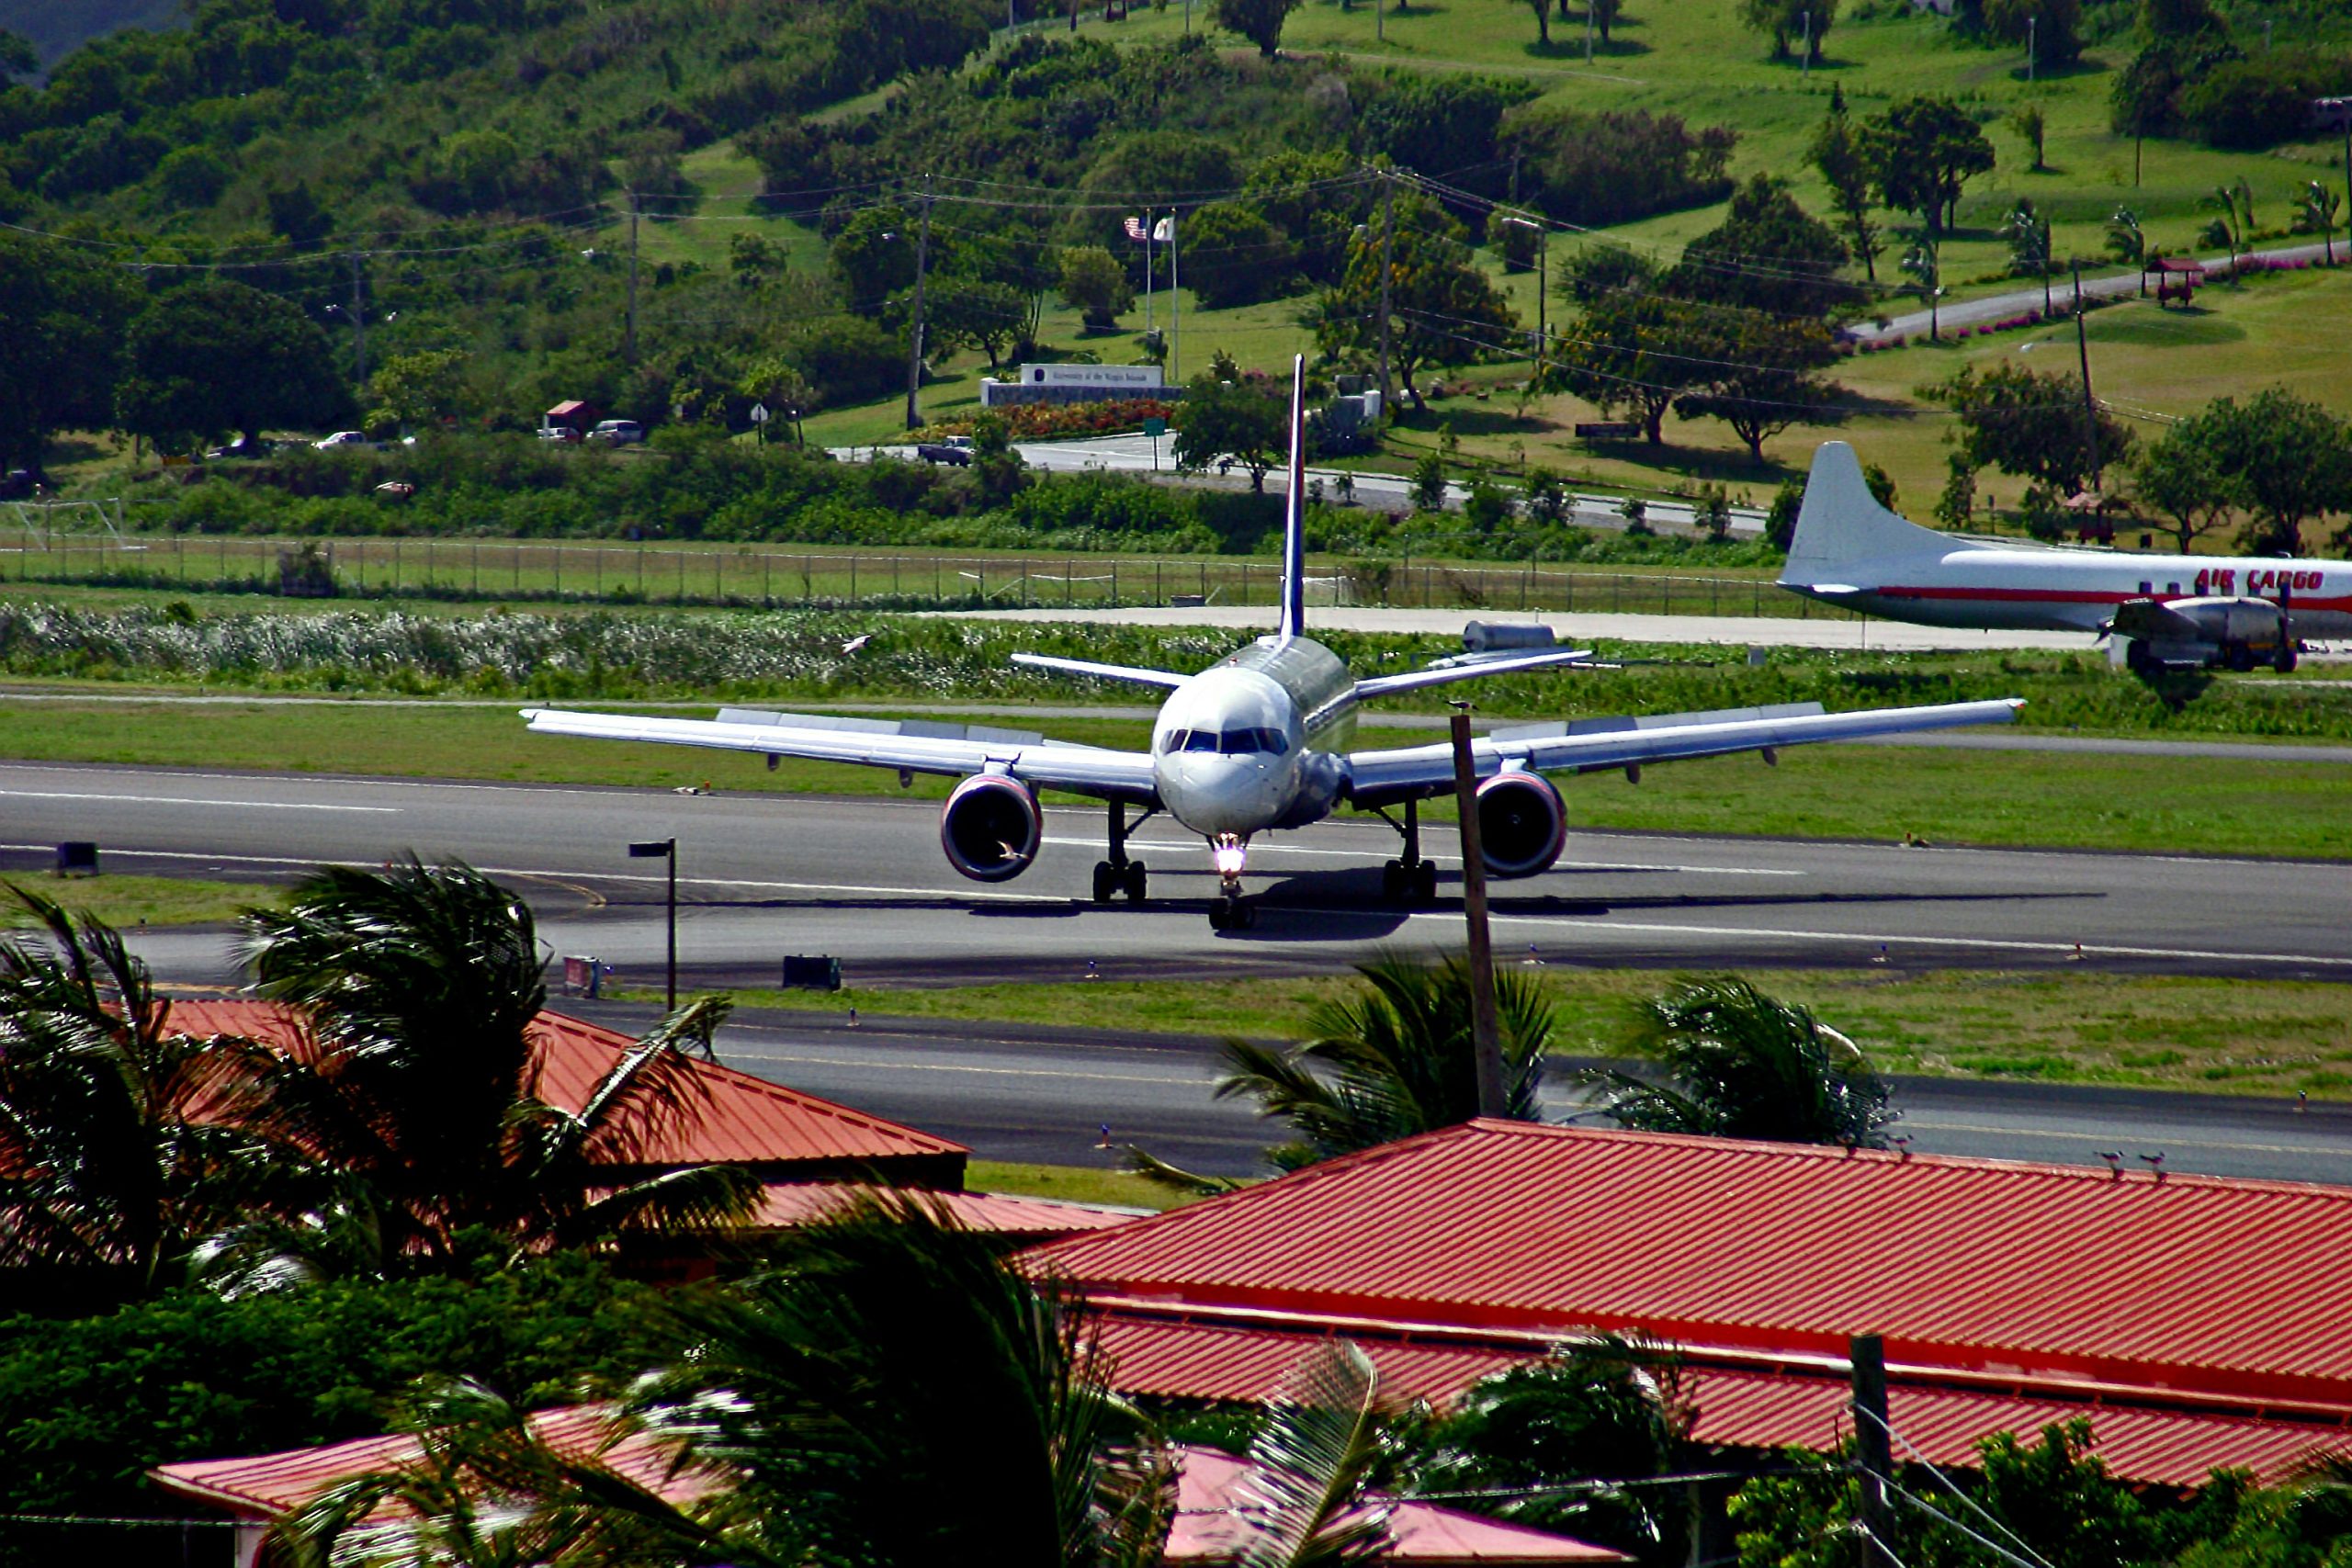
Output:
x,y
1258,742
2169,611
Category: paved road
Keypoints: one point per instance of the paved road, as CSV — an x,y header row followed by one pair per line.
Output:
x,y
1020,1093
1384,492
864,879
2016,301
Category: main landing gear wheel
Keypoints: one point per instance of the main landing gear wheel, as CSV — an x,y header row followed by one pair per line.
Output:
x,y
2284,659
1409,882
1133,882
1107,878
1231,912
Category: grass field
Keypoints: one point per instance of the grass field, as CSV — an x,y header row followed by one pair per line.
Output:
x,y
1071,1184
130,901
2070,1026
1868,793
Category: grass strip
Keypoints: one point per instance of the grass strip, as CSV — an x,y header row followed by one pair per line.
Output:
x,y
129,902
2216,1035
1071,1184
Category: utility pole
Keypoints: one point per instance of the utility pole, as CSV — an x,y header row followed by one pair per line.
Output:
x,y
1387,268
628,349
1486,1029
1588,31
1873,1443
358,318
2032,24
1807,72
2090,405
914,343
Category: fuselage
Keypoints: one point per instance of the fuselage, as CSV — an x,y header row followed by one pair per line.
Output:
x,y
2066,590
1255,740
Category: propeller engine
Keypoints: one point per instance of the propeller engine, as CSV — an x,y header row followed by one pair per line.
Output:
x,y
991,827
1522,824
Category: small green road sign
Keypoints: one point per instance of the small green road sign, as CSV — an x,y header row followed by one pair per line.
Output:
x,y
1155,428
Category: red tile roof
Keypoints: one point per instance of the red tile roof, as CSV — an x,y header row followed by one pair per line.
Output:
x,y
1213,1505
2185,1293
746,1119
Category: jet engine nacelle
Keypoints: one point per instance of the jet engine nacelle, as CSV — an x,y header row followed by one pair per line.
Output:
x,y
991,827
1522,824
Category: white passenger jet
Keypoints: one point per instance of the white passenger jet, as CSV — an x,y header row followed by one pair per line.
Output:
x,y
1258,742
2170,610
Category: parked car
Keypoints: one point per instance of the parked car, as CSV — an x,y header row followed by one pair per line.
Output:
x,y
354,440
18,484
557,433
618,432
954,450
243,446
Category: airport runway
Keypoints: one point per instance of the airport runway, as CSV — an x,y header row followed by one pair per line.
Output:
x,y
1038,1094
864,879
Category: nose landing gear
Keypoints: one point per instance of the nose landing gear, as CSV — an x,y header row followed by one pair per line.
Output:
x,y
1231,911
1119,875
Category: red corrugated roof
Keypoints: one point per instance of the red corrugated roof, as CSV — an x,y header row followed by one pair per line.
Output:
x,y
1213,1505
2191,1291
787,1204
746,1119
265,1485
1754,1409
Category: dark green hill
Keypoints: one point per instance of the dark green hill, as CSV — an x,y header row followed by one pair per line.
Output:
x,y
57,27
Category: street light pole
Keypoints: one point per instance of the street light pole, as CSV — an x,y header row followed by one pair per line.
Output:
x,y
2031,23
667,848
1486,1028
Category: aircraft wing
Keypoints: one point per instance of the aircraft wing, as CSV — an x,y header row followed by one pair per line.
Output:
x,y
911,746
2150,620
1470,667
1167,678
1379,778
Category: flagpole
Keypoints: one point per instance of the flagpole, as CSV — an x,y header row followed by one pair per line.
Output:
x,y
1147,272
1175,306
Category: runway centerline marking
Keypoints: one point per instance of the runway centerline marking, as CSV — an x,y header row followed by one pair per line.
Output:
x,y
183,800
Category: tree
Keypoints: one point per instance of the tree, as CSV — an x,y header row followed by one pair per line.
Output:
x,y
17,56
1923,264
1759,378
2029,424
777,384
110,1169
1234,255
2290,460
62,324
2315,214
1922,151
2028,233
1603,14
811,1397
421,389
1742,1065
1390,1060
2179,478
1260,22
1634,354
2032,125
2233,225
1238,419
1543,9
2051,28
1603,1409
2125,242
1837,151
1442,309
417,1085
212,358
1783,20
1094,283
1768,254
875,256
961,309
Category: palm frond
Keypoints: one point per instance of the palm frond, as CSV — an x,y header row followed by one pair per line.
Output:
x,y
1138,1161
1312,1456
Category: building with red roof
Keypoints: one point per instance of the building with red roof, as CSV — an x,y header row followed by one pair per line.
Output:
x,y
1213,1498
2197,1321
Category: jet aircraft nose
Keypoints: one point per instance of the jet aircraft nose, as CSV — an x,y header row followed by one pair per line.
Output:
x,y
1213,795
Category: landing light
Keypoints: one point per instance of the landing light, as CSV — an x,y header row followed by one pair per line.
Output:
x,y
1230,854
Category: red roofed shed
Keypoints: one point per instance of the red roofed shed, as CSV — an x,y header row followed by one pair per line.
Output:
x,y
781,1134
2198,1321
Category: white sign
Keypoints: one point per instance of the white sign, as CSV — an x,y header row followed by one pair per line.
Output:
x,y
1141,377
759,413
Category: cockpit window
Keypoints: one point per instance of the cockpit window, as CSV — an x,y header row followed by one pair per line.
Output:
x,y
1200,740
1242,742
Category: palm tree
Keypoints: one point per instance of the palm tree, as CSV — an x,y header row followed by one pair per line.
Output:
x,y
1742,1065
1320,1445
108,1163
417,1083
1390,1061
1537,1445
893,1394
2315,214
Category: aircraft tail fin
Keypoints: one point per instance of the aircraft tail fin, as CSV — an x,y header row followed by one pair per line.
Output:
x,y
1842,523
1293,622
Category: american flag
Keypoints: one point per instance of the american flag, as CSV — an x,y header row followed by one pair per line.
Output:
x,y
1137,232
